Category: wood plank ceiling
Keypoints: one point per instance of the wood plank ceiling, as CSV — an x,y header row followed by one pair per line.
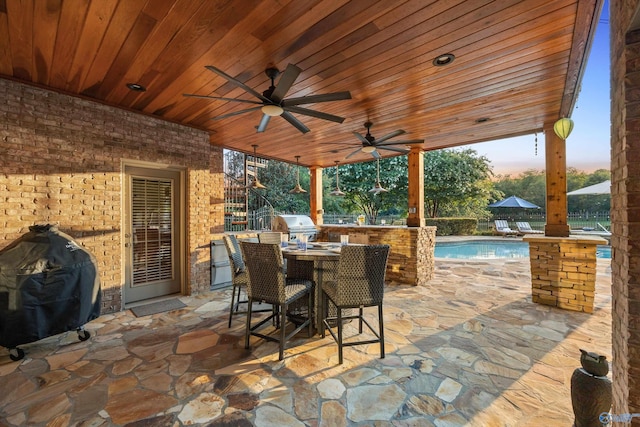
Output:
x,y
517,66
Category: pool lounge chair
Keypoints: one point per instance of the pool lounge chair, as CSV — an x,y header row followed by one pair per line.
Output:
x,y
525,228
502,228
588,231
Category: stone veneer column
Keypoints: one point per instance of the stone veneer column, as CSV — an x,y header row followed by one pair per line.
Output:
x,y
411,259
563,271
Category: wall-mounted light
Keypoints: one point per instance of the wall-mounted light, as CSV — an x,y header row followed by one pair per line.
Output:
x,y
563,128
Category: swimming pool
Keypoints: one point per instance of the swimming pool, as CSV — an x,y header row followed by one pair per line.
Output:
x,y
494,249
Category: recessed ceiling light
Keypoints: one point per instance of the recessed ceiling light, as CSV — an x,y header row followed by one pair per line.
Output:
x,y
482,120
445,59
136,87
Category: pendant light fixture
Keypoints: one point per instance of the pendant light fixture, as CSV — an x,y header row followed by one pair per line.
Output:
x,y
297,189
377,188
336,191
256,183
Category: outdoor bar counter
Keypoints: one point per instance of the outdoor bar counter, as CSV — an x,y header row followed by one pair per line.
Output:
x,y
411,258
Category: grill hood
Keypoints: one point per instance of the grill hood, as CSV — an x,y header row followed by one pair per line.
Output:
x,y
295,225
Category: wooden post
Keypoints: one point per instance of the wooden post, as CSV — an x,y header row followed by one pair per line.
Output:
x,y
415,158
315,195
556,175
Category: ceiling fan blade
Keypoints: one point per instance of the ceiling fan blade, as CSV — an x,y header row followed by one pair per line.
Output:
x,y
263,123
284,84
318,114
409,141
235,113
314,99
248,101
397,150
295,122
353,153
375,154
238,83
361,138
390,135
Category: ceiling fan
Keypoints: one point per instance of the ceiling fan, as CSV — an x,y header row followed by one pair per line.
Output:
x,y
272,101
371,145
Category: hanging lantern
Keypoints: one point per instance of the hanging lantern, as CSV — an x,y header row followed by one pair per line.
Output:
x,y
377,188
563,128
256,184
336,191
297,189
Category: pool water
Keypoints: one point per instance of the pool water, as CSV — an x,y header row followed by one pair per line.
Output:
x,y
494,249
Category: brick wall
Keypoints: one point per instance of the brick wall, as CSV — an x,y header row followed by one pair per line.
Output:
x,y
61,162
625,206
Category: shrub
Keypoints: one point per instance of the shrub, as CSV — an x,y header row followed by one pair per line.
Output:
x,y
453,226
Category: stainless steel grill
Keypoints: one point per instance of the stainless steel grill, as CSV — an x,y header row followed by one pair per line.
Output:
x,y
295,225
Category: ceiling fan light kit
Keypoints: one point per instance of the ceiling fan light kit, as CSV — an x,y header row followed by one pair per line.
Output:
x,y
272,110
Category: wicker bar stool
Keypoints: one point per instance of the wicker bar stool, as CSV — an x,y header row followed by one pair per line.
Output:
x,y
359,284
269,284
239,277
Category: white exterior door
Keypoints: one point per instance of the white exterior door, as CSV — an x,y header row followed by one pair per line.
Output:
x,y
154,251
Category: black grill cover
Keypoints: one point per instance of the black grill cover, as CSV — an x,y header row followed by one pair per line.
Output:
x,y
49,284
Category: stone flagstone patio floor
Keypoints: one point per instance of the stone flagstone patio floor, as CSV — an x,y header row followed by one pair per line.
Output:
x,y
469,349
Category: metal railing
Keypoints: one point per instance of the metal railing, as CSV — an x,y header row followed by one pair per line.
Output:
x,y
577,220
237,199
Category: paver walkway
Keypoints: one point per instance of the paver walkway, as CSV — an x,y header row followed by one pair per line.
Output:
x,y
468,349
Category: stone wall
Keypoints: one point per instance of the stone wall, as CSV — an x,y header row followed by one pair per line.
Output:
x,y
411,260
61,162
625,205
563,271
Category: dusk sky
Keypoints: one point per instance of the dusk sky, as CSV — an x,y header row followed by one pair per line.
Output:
x,y
588,146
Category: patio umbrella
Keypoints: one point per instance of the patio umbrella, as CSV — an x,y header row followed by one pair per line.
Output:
x,y
601,188
514,202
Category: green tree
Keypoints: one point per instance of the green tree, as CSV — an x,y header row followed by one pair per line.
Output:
x,y
280,178
588,202
457,183
357,179
529,185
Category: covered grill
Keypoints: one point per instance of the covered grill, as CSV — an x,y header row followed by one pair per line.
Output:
x,y
49,284
295,225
